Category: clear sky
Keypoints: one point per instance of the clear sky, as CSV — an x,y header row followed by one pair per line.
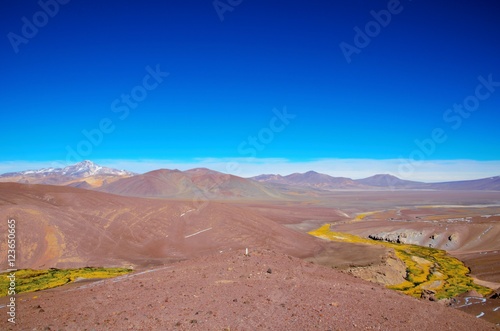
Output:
x,y
257,82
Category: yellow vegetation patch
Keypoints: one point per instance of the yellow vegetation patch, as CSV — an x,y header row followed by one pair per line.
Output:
x,y
29,280
361,216
426,268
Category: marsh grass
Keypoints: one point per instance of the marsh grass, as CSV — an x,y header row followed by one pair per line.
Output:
x,y
29,280
426,268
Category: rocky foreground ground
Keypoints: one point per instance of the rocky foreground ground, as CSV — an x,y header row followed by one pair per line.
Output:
x,y
231,291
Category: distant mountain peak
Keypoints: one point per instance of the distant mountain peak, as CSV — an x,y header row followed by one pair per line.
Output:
x,y
389,181
78,170
384,176
310,179
267,178
200,170
88,168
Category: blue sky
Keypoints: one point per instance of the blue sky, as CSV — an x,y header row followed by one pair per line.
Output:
x,y
186,83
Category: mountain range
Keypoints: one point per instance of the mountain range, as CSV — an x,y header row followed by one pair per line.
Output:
x,y
185,243
202,183
316,180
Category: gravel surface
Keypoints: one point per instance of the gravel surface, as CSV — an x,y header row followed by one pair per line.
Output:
x,y
230,291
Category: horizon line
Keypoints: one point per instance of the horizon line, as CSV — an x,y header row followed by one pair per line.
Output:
x,y
423,171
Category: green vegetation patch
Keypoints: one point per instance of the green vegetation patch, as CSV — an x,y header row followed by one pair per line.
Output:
x,y
426,268
29,280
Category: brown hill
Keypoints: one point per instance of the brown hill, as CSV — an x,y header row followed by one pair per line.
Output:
x,y
230,291
389,181
68,227
199,183
311,179
489,184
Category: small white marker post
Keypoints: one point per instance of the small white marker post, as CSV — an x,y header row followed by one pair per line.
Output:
x,y
246,251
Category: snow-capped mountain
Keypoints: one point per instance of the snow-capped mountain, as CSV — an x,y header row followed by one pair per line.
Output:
x,y
79,170
88,168
76,174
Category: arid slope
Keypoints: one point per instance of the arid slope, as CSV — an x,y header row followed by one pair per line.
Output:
x,y
229,291
197,183
69,227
